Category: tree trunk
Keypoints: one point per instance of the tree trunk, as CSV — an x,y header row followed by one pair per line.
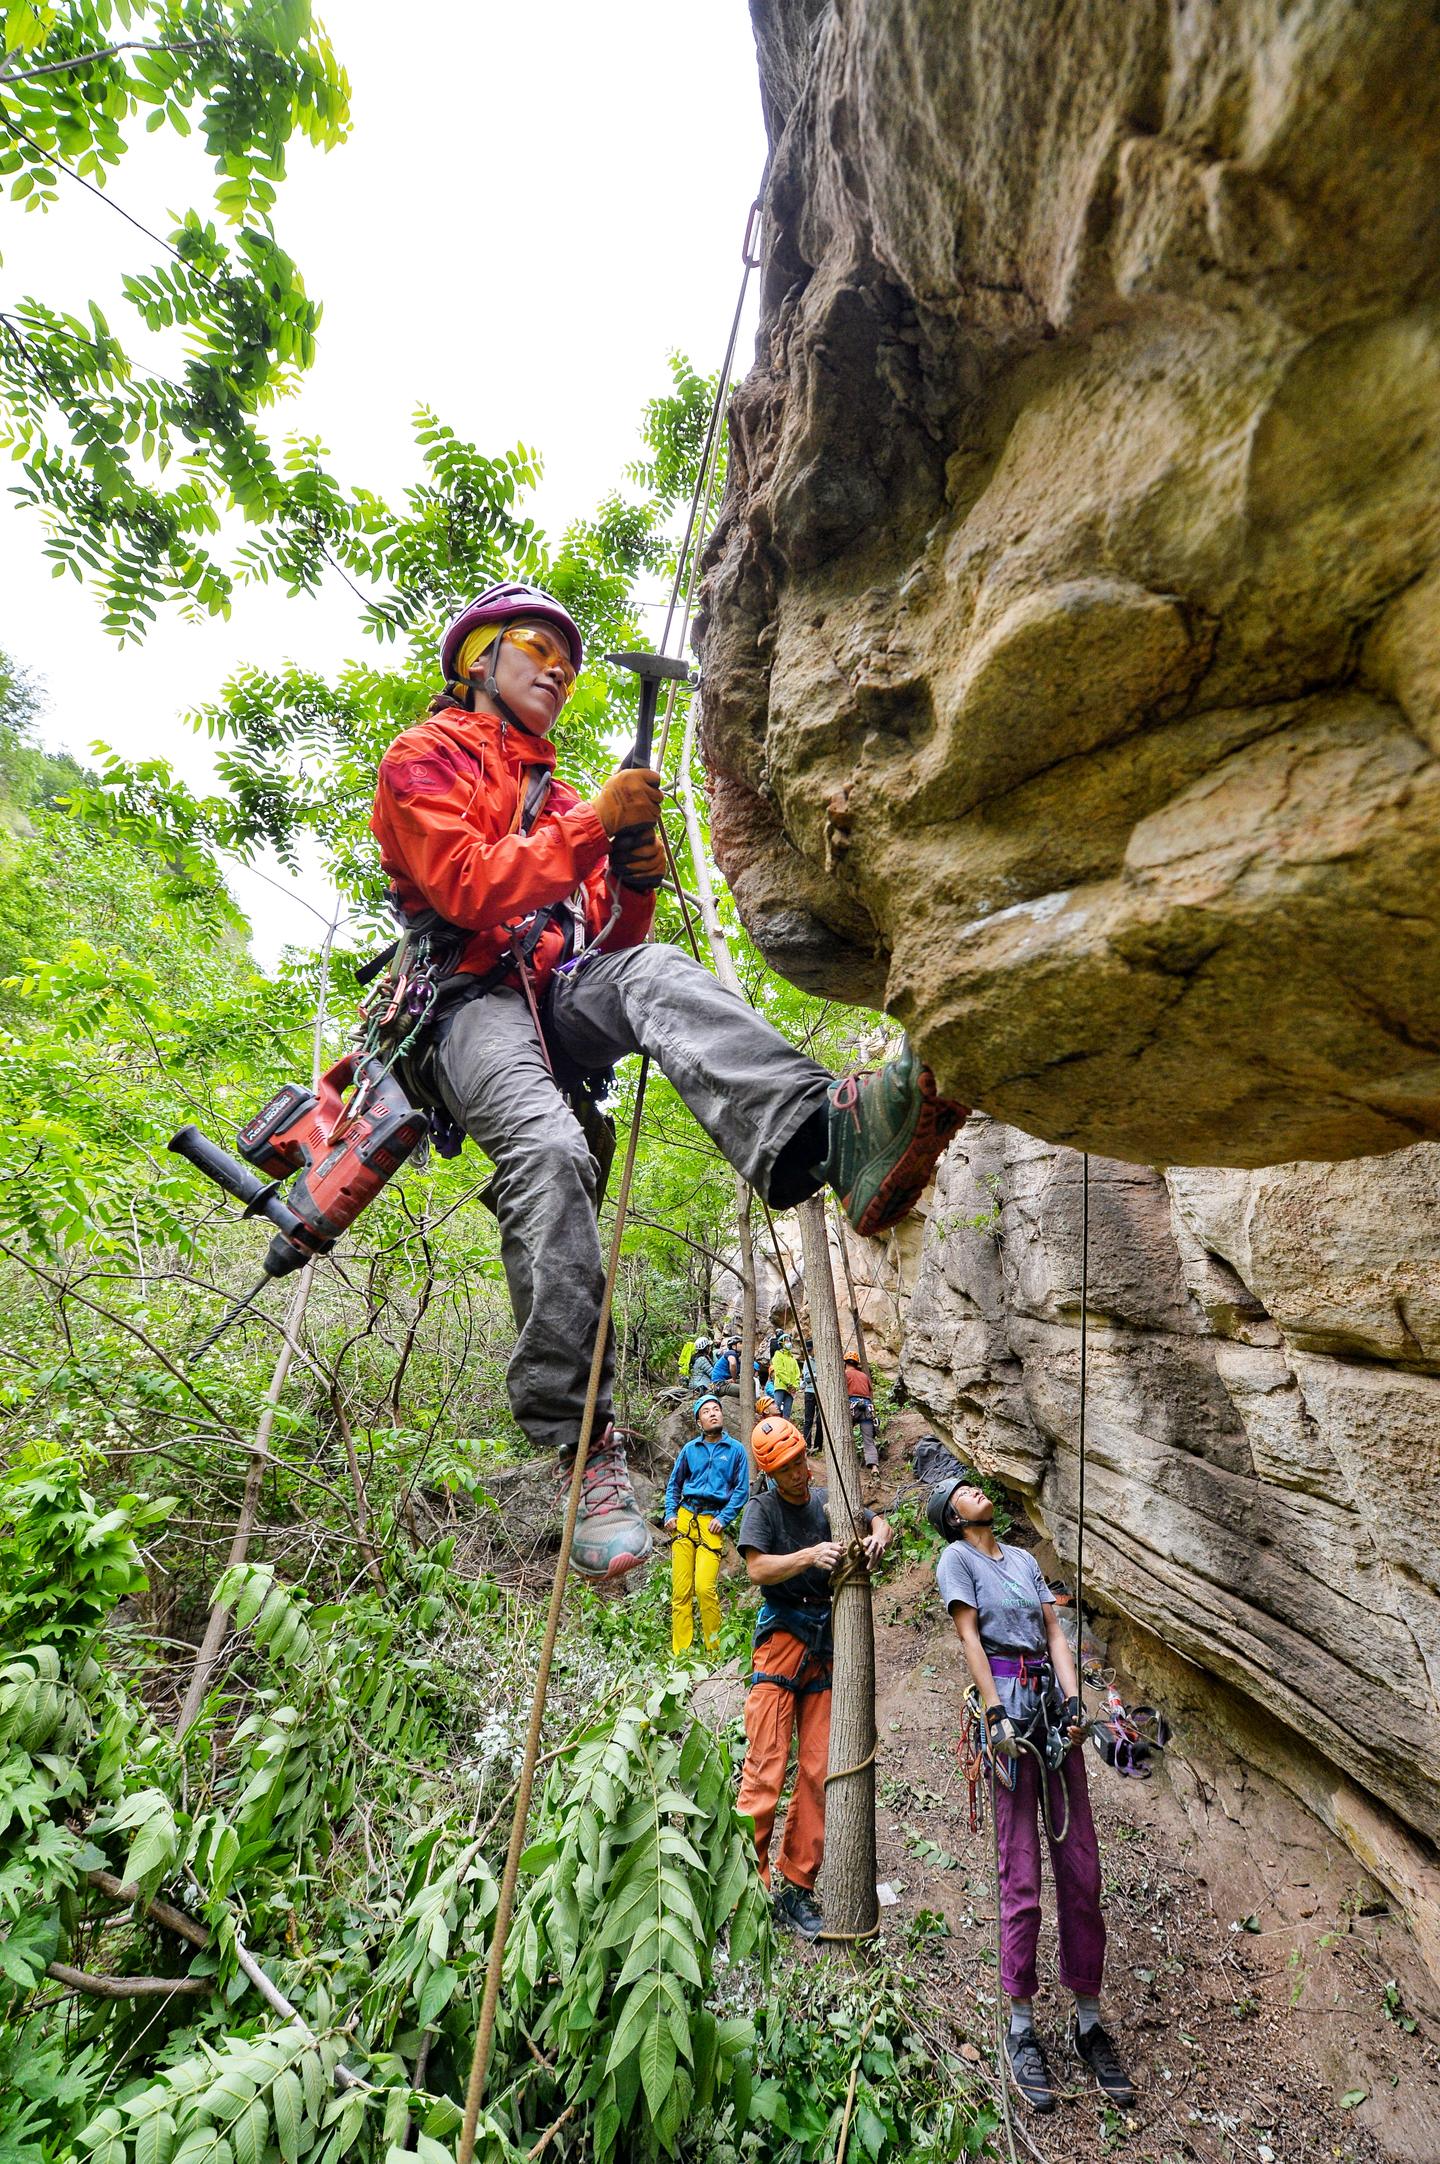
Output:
x,y
850,1288
747,1320
851,1906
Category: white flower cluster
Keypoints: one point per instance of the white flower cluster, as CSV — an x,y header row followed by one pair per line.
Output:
x,y
496,1749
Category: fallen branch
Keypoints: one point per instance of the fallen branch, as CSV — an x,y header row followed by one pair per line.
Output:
x,y
129,1987
172,1919
276,2000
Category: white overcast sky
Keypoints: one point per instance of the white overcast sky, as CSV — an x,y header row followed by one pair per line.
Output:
x,y
595,163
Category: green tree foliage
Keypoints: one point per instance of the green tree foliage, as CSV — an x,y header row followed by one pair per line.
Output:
x,y
334,1821
132,466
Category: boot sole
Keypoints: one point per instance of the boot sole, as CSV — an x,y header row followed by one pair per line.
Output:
x,y
616,1568
939,1122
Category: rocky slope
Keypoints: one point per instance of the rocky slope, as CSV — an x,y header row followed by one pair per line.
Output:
x,y
1072,671
1262,1444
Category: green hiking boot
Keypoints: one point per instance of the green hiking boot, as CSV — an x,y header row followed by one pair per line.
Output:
x,y
888,1127
611,1537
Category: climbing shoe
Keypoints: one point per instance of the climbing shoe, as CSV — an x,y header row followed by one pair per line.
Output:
x,y
611,1537
888,1127
1096,2047
797,1907
1028,2067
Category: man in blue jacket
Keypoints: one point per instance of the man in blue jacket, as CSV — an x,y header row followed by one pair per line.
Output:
x,y
705,1494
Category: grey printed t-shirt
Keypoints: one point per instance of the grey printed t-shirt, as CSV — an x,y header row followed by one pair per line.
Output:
x,y
1007,1592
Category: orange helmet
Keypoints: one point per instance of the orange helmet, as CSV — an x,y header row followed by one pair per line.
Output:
x,y
763,1405
775,1442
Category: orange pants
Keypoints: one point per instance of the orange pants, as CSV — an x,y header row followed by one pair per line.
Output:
x,y
771,1715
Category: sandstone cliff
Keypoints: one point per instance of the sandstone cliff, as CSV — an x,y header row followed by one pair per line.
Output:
x,y
1072,643
1263,1443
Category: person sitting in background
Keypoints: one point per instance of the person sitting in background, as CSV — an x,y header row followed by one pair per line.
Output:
x,y
702,1360
784,1378
790,1551
725,1372
862,1406
1021,1663
704,1496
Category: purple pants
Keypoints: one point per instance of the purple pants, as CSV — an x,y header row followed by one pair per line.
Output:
x,y
1075,1866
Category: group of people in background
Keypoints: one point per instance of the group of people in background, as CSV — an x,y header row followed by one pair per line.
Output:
x,y
1021,1665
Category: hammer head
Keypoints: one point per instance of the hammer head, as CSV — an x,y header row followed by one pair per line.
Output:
x,y
651,668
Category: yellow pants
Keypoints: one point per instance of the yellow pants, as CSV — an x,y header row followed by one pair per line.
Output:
x,y
695,1556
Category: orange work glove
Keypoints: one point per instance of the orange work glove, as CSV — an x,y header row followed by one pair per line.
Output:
x,y
638,856
630,798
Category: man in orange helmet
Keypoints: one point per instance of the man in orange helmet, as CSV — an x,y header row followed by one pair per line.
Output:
x,y
790,1549
529,909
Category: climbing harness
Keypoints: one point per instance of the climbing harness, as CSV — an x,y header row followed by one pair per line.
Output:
x,y
1042,1734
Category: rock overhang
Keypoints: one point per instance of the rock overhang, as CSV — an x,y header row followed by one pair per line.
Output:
x,y
1071,683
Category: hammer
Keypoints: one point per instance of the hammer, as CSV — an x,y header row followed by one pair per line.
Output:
x,y
653,670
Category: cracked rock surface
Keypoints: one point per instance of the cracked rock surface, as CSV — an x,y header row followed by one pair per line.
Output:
x,y
1072,631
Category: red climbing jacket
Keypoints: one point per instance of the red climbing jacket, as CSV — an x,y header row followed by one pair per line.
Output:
x,y
447,816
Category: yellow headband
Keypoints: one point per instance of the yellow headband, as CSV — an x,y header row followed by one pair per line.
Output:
x,y
472,648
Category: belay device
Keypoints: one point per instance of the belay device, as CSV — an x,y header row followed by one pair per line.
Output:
x,y
342,1153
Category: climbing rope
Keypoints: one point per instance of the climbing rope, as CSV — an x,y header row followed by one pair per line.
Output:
x,y
484,2035
1080,1503
1002,2062
485,2030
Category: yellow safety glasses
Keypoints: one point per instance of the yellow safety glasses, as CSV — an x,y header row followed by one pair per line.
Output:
x,y
544,647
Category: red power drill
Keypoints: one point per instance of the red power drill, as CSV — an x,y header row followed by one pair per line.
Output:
x,y
344,1154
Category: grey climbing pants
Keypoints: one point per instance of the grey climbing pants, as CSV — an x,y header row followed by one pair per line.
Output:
x,y
748,1088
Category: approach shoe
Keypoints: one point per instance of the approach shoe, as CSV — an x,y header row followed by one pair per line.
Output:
x,y
1031,2075
888,1128
1096,2047
797,1907
611,1537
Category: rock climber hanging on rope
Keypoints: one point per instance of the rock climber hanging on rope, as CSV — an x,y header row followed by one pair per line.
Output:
x,y
1021,1663
540,903
790,1551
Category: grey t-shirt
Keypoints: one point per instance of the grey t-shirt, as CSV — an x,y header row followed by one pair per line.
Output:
x,y
1008,1593
771,1526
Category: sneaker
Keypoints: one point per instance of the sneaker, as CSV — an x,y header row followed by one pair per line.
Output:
x,y
1027,2064
888,1128
797,1907
1097,2048
611,1537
